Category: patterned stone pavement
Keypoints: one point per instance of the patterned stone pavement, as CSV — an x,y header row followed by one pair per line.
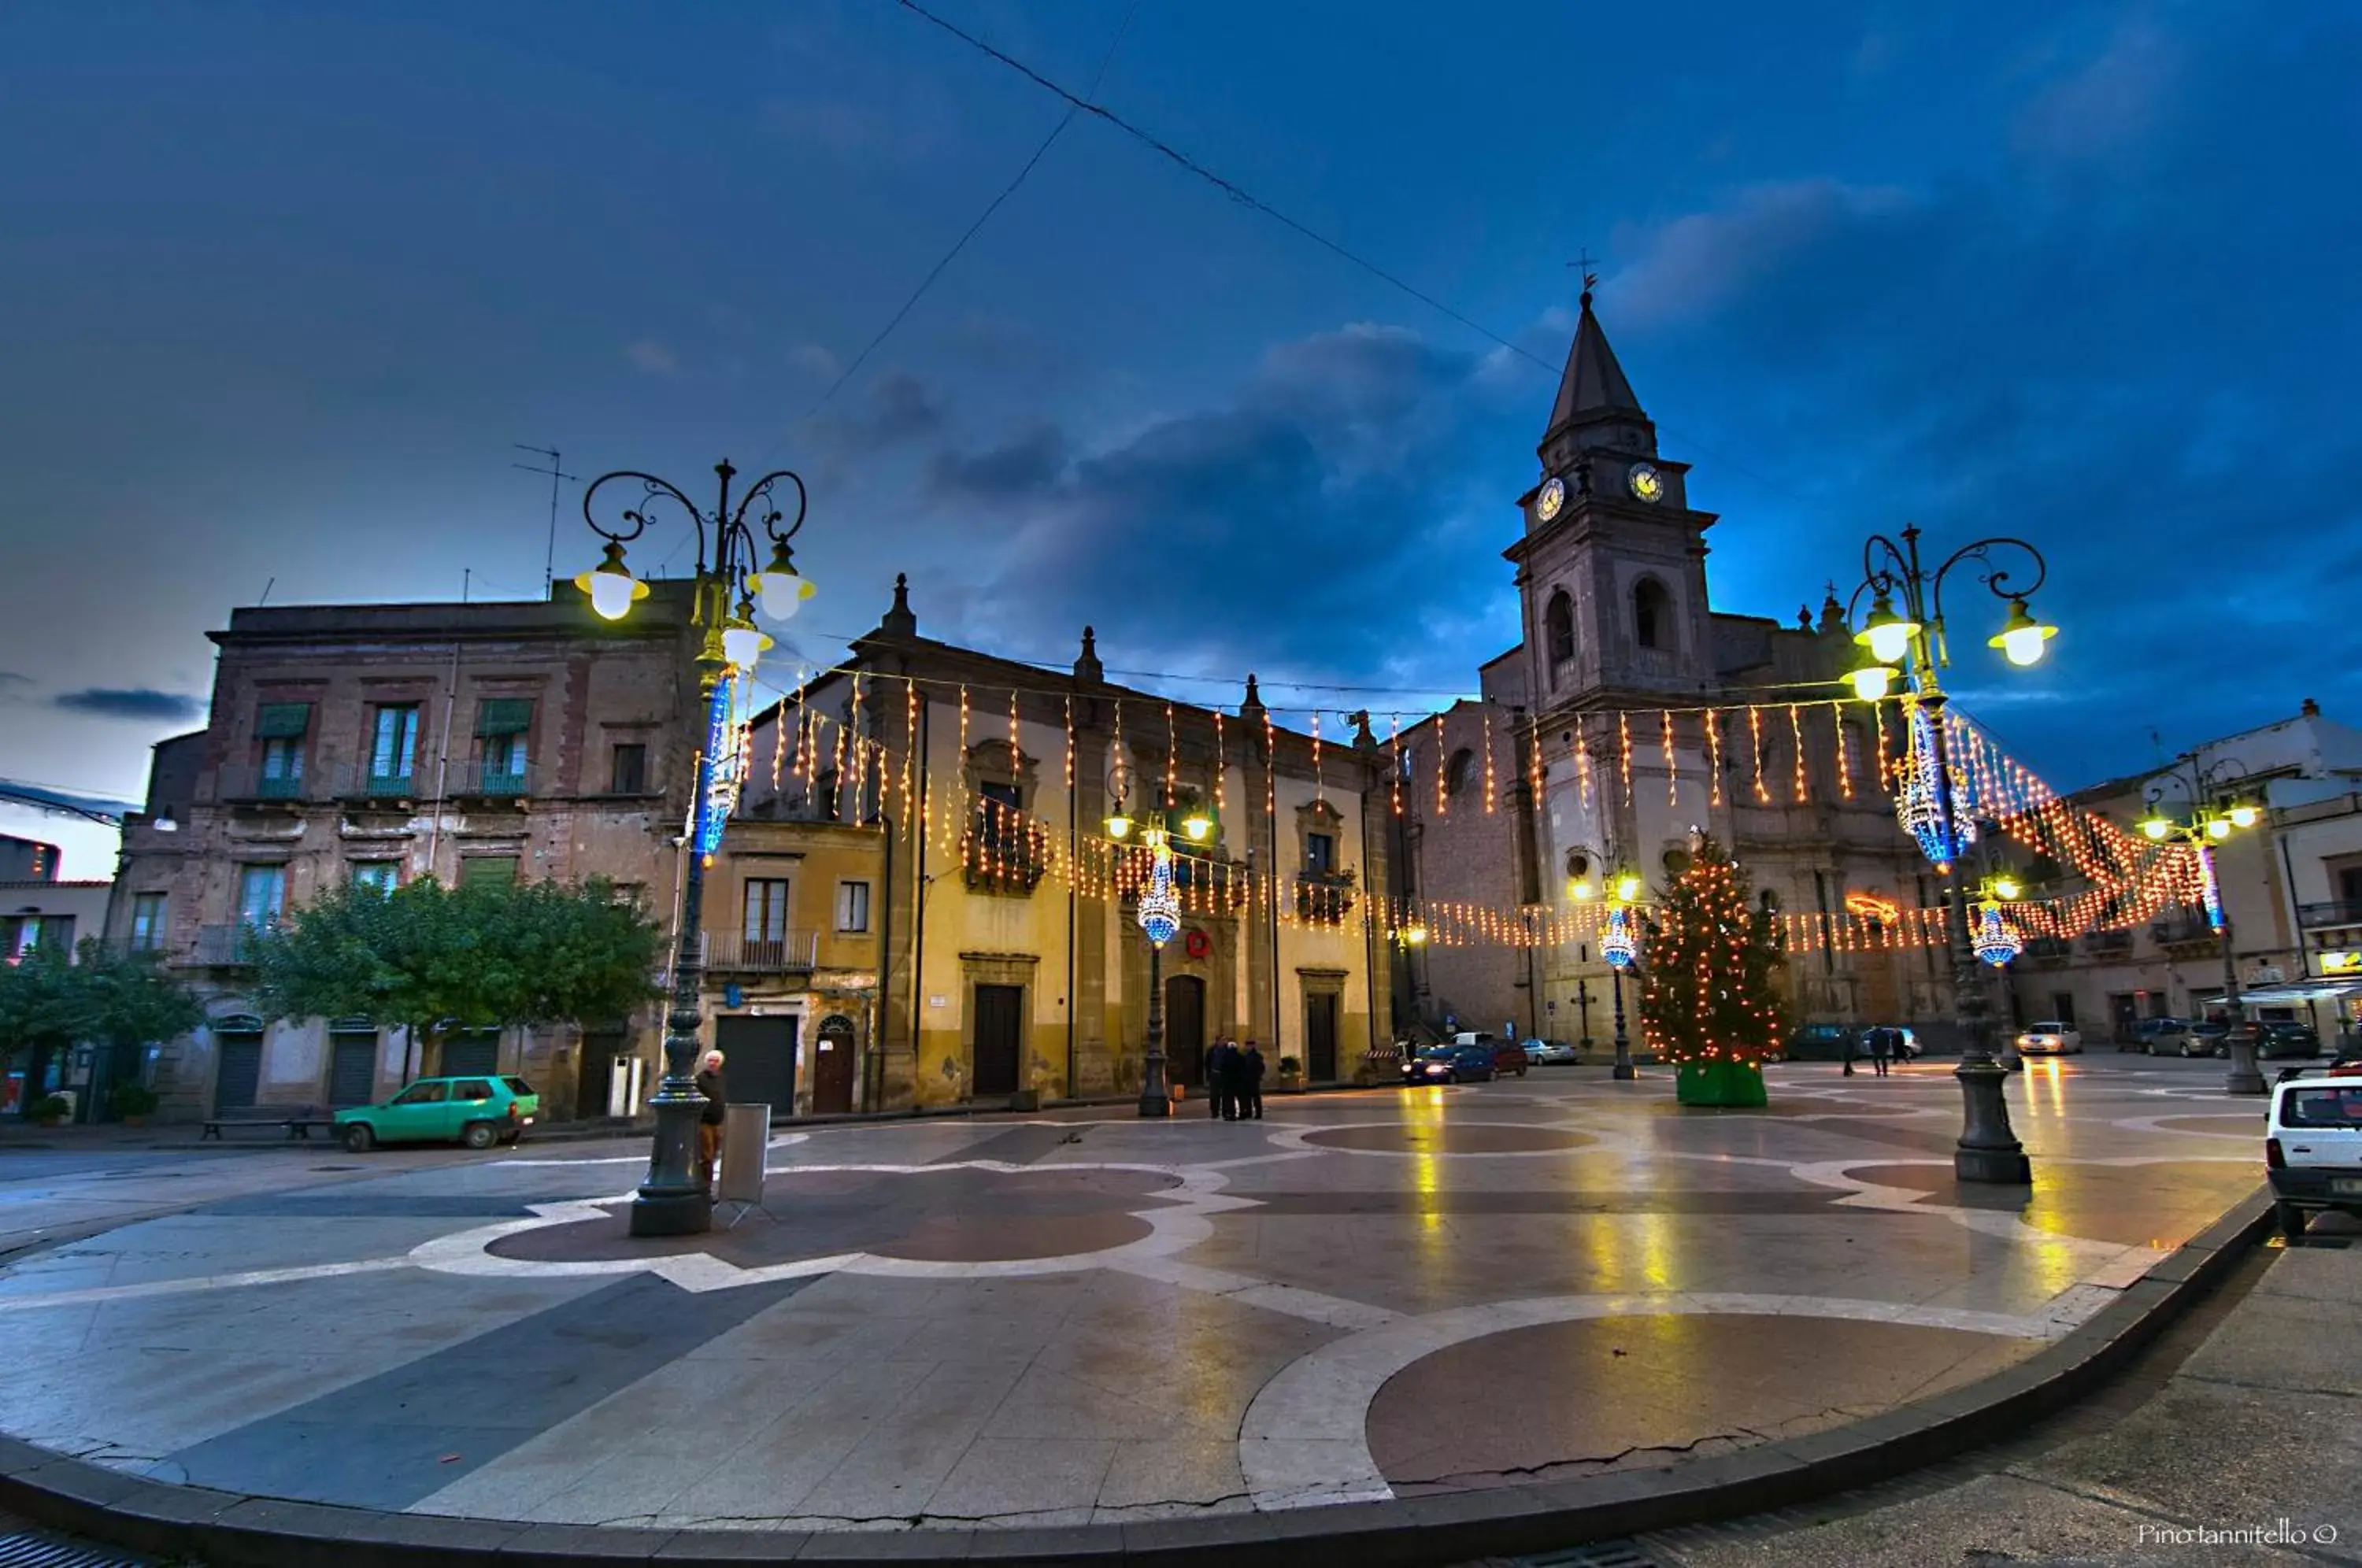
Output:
x,y
1081,1317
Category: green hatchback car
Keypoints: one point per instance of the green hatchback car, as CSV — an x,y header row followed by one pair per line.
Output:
x,y
478,1110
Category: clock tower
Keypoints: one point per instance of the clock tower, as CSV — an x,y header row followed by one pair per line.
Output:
x,y
1611,568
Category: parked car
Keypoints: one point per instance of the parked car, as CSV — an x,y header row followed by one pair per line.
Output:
x,y
2208,1039
2159,1037
1508,1056
476,1111
1548,1053
2050,1038
2286,1039
2313,1145
1825,1042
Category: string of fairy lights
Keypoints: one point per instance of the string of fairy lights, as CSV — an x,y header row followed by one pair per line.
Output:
x,y
861,763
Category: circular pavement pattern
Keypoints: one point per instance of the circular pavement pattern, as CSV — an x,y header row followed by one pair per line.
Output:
x,y
1450,1138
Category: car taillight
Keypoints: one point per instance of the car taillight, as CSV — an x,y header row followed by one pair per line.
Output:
x,y
515,1111
2273,1158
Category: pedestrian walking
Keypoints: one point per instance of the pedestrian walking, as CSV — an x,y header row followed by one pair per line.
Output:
x,y
1251,1080
1881,1045
1217,1077
710,1084
1847,1049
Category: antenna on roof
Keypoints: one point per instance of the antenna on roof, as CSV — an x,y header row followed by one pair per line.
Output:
x,y
549,557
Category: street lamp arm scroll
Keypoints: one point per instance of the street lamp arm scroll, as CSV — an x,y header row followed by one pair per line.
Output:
x,y
1995,578
652,490
761,489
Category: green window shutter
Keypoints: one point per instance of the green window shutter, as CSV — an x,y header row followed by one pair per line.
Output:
x,y
282,721
504,716
488,868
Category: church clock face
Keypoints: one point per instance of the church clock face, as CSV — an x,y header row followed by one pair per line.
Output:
x,y
1552,501
1646,483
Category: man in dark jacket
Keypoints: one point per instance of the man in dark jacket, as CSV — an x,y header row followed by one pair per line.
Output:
x,y
1218,1079
1251,1082
709,1124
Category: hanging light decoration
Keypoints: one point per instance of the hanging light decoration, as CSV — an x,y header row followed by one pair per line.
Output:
x,y
1919,808
1160,906
1618,946
2209,892
1997,941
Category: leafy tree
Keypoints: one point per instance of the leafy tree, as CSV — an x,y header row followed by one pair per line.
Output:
x,y
485,955
111,997
1710,1001
37,1006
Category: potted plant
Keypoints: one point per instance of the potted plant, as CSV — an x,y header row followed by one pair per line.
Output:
x,y
135,1103
50,1109
1291,1075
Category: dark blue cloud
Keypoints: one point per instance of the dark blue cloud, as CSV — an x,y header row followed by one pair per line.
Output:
x,y
134,702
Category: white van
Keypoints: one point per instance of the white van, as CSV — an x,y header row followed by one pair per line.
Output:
x,y
2313,1145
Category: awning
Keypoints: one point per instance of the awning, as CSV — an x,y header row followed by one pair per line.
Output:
x,y
282,721
2284,991
504,716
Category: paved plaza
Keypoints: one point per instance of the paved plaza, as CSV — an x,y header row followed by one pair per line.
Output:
x,y
1079,1317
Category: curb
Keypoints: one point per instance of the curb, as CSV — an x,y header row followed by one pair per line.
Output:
x,y
230,1528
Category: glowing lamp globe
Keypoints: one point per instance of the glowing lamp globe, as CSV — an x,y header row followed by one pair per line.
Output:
x,y
1197,827
2020,638
1872,681
783,592
2156,828
1886,634
1628,887
1416,936
743,645
612,588
2219,828
1119,825
2006,886
2243,815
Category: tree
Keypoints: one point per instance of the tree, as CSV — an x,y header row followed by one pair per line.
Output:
x,y
109,997
486,955
1710,1002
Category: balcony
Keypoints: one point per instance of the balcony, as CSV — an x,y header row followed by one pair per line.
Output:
x,y
2337,911
1003,851
369,784
2042,951
225,946
1324,898
731,953
486,780
252,785
2183,931
2108,944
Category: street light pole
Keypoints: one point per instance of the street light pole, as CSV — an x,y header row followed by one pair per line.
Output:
x,y
673,1200
1987,1151
2210,818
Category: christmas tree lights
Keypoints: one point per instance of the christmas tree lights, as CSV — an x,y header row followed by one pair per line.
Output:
x,y
1709,1000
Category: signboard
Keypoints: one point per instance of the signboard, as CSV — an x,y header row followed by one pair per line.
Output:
x,y
2341,962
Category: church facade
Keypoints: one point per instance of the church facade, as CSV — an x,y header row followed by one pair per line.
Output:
x,y
1629,714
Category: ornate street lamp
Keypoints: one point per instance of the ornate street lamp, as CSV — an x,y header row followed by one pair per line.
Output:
x,y
1620,945
1159,915
1905,628
673,1201
2214,808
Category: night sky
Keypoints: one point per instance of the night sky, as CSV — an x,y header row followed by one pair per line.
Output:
x,y
280,285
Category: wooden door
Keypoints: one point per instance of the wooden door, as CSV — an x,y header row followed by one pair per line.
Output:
x,y
759,1061
1000,1027
832,1055
241,1072
1321,1037
1184,1030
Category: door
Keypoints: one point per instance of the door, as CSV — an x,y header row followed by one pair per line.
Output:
x,y
594,1074
1321,1037
476,1051
832,1055
352,1069
241,1072
758,1064
999,1020
422,1111
1185,1029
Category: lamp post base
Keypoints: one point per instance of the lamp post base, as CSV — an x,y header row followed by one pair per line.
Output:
x,y
2245,1076
673,1201
1988,1153
1154,1104
687,1213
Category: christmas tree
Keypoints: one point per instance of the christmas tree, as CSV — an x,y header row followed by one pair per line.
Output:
x,y
1709,1003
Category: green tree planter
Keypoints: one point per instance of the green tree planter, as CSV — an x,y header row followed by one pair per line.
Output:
x,y
1720,1083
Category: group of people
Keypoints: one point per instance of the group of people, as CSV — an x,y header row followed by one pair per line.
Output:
x,y
1881,1044
1234,1080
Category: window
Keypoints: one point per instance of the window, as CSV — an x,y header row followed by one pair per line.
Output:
x,y
471,1088
1558,627
853,906
393,746
281,726
474,869
633,893
630,772
262,894
430,1093
503,725
1652,614
1000,815
767,909
1320,854
504,757
518,1085
380,877
1455,772
147,922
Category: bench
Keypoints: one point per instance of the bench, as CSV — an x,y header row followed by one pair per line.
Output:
x,y
298,1119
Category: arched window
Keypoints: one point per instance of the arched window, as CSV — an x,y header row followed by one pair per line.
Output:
x,y
1455,772
1652,614
1558,627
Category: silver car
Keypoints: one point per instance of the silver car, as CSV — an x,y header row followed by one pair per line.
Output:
x,y
1544,1053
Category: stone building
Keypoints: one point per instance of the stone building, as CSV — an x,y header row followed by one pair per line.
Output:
x,y
1616,631
381,743
1013,962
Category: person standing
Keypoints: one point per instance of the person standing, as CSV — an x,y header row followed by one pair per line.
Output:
x,y
1252,1081
1848,1047
1218,1076
1881,1045
710,1084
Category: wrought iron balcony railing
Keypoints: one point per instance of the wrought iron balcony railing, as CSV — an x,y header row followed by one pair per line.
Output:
x,y
2337,911
736,953
225,946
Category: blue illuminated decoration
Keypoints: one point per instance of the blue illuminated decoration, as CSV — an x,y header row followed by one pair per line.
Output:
x,y
721,796
1618,946
1918,808
1160,906
1997,941
2208,889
